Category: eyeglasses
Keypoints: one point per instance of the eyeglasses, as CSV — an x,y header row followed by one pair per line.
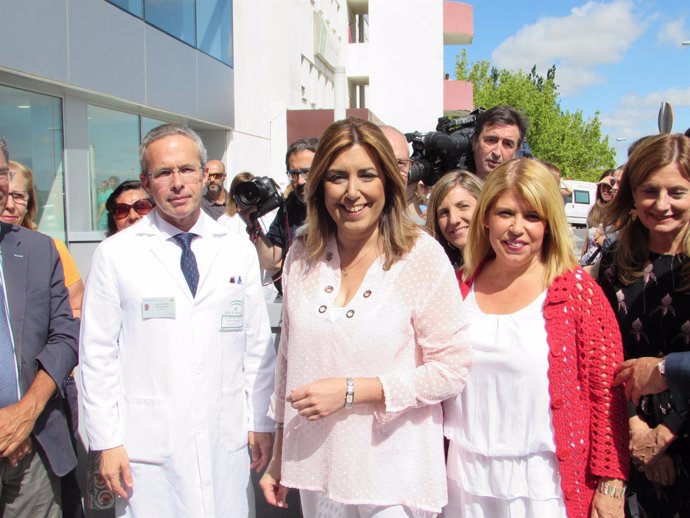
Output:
x,y
188,173
293,174
404,165
141,207
19,197
215,176
4,175
605,187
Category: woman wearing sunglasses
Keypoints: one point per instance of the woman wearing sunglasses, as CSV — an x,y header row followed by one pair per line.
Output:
x,y
597,234
127,204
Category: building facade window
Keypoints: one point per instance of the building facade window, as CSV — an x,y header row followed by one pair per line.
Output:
x,y
176,17
114,138
32,125
214,28
136,7
203,24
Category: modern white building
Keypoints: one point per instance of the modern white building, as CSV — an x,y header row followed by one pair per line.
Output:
x,y
81,81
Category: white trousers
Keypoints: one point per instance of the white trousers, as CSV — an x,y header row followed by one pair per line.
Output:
x,y
316,504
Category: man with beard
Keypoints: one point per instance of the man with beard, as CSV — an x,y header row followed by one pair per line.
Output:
x,y
273,246
215,201
498,136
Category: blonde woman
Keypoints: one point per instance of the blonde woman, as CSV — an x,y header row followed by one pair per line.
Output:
x,y
538,431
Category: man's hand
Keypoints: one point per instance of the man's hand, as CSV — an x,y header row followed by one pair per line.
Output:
x,y
22,451
17,421
641,377
261,448
16,424
116,471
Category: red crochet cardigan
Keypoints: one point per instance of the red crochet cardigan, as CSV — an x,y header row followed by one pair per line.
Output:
x,y
588,415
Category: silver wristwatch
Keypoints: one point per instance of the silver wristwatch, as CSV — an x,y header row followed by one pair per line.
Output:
x,y
662,367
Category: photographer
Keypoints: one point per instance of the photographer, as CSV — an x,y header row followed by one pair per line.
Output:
x,y
478,142
498,136
273,246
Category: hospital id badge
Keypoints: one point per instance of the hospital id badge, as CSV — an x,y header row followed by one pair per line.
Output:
x,y
232,318
158,307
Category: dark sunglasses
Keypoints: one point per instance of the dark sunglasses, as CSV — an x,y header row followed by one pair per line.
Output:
x,y
141,207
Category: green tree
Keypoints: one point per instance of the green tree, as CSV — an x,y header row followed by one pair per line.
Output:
x,y
568,140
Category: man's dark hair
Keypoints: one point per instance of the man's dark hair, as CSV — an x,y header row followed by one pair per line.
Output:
x,y
505,116
4,150
687,132
303,144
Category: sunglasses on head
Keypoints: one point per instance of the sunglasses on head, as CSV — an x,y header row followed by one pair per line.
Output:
x,y
141,207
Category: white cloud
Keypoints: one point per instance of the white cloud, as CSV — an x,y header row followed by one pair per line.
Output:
x,y
636,115
673,33
591,35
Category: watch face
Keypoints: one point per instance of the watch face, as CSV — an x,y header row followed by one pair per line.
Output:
x,y
662,367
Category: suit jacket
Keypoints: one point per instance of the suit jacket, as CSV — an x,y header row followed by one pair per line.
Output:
x,y
45,333
678,374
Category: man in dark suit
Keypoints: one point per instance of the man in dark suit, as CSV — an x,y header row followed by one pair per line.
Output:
x,y
38,350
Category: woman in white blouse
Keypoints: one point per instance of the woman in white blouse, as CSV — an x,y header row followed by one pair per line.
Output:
x,y
371,343
538,431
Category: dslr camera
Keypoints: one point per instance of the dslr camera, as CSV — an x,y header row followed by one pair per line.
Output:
x,y
261,192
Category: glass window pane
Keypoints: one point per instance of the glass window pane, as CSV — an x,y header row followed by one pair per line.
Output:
x,y
32,126
136,7
176,17
214,28
148,124
582,197
113,156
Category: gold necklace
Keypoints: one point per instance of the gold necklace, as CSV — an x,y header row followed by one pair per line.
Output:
x,y
344,270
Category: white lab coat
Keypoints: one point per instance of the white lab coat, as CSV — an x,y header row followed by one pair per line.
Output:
x,y
179,388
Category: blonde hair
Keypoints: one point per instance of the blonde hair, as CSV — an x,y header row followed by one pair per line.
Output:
x,y
449,181
531,181
32,205
632,247
242,177
397,232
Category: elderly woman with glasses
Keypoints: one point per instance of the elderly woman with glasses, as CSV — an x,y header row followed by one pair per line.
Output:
x,y
126,205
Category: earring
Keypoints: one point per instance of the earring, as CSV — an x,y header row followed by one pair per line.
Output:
x,y
633,213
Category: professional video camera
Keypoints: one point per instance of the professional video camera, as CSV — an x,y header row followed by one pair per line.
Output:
x,y
437,152
261,192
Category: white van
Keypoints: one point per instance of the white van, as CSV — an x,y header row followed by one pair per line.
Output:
x,y
577,205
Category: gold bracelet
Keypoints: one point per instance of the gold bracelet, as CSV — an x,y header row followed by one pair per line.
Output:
x,y
610,490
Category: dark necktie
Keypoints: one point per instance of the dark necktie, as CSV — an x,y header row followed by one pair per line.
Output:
x,y
8,363
188,260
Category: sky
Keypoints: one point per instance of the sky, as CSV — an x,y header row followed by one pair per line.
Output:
x,y
620,58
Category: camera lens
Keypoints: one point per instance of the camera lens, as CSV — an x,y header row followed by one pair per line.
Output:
x,y
247,194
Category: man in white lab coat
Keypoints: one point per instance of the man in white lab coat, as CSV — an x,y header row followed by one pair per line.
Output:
x,y
176,353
